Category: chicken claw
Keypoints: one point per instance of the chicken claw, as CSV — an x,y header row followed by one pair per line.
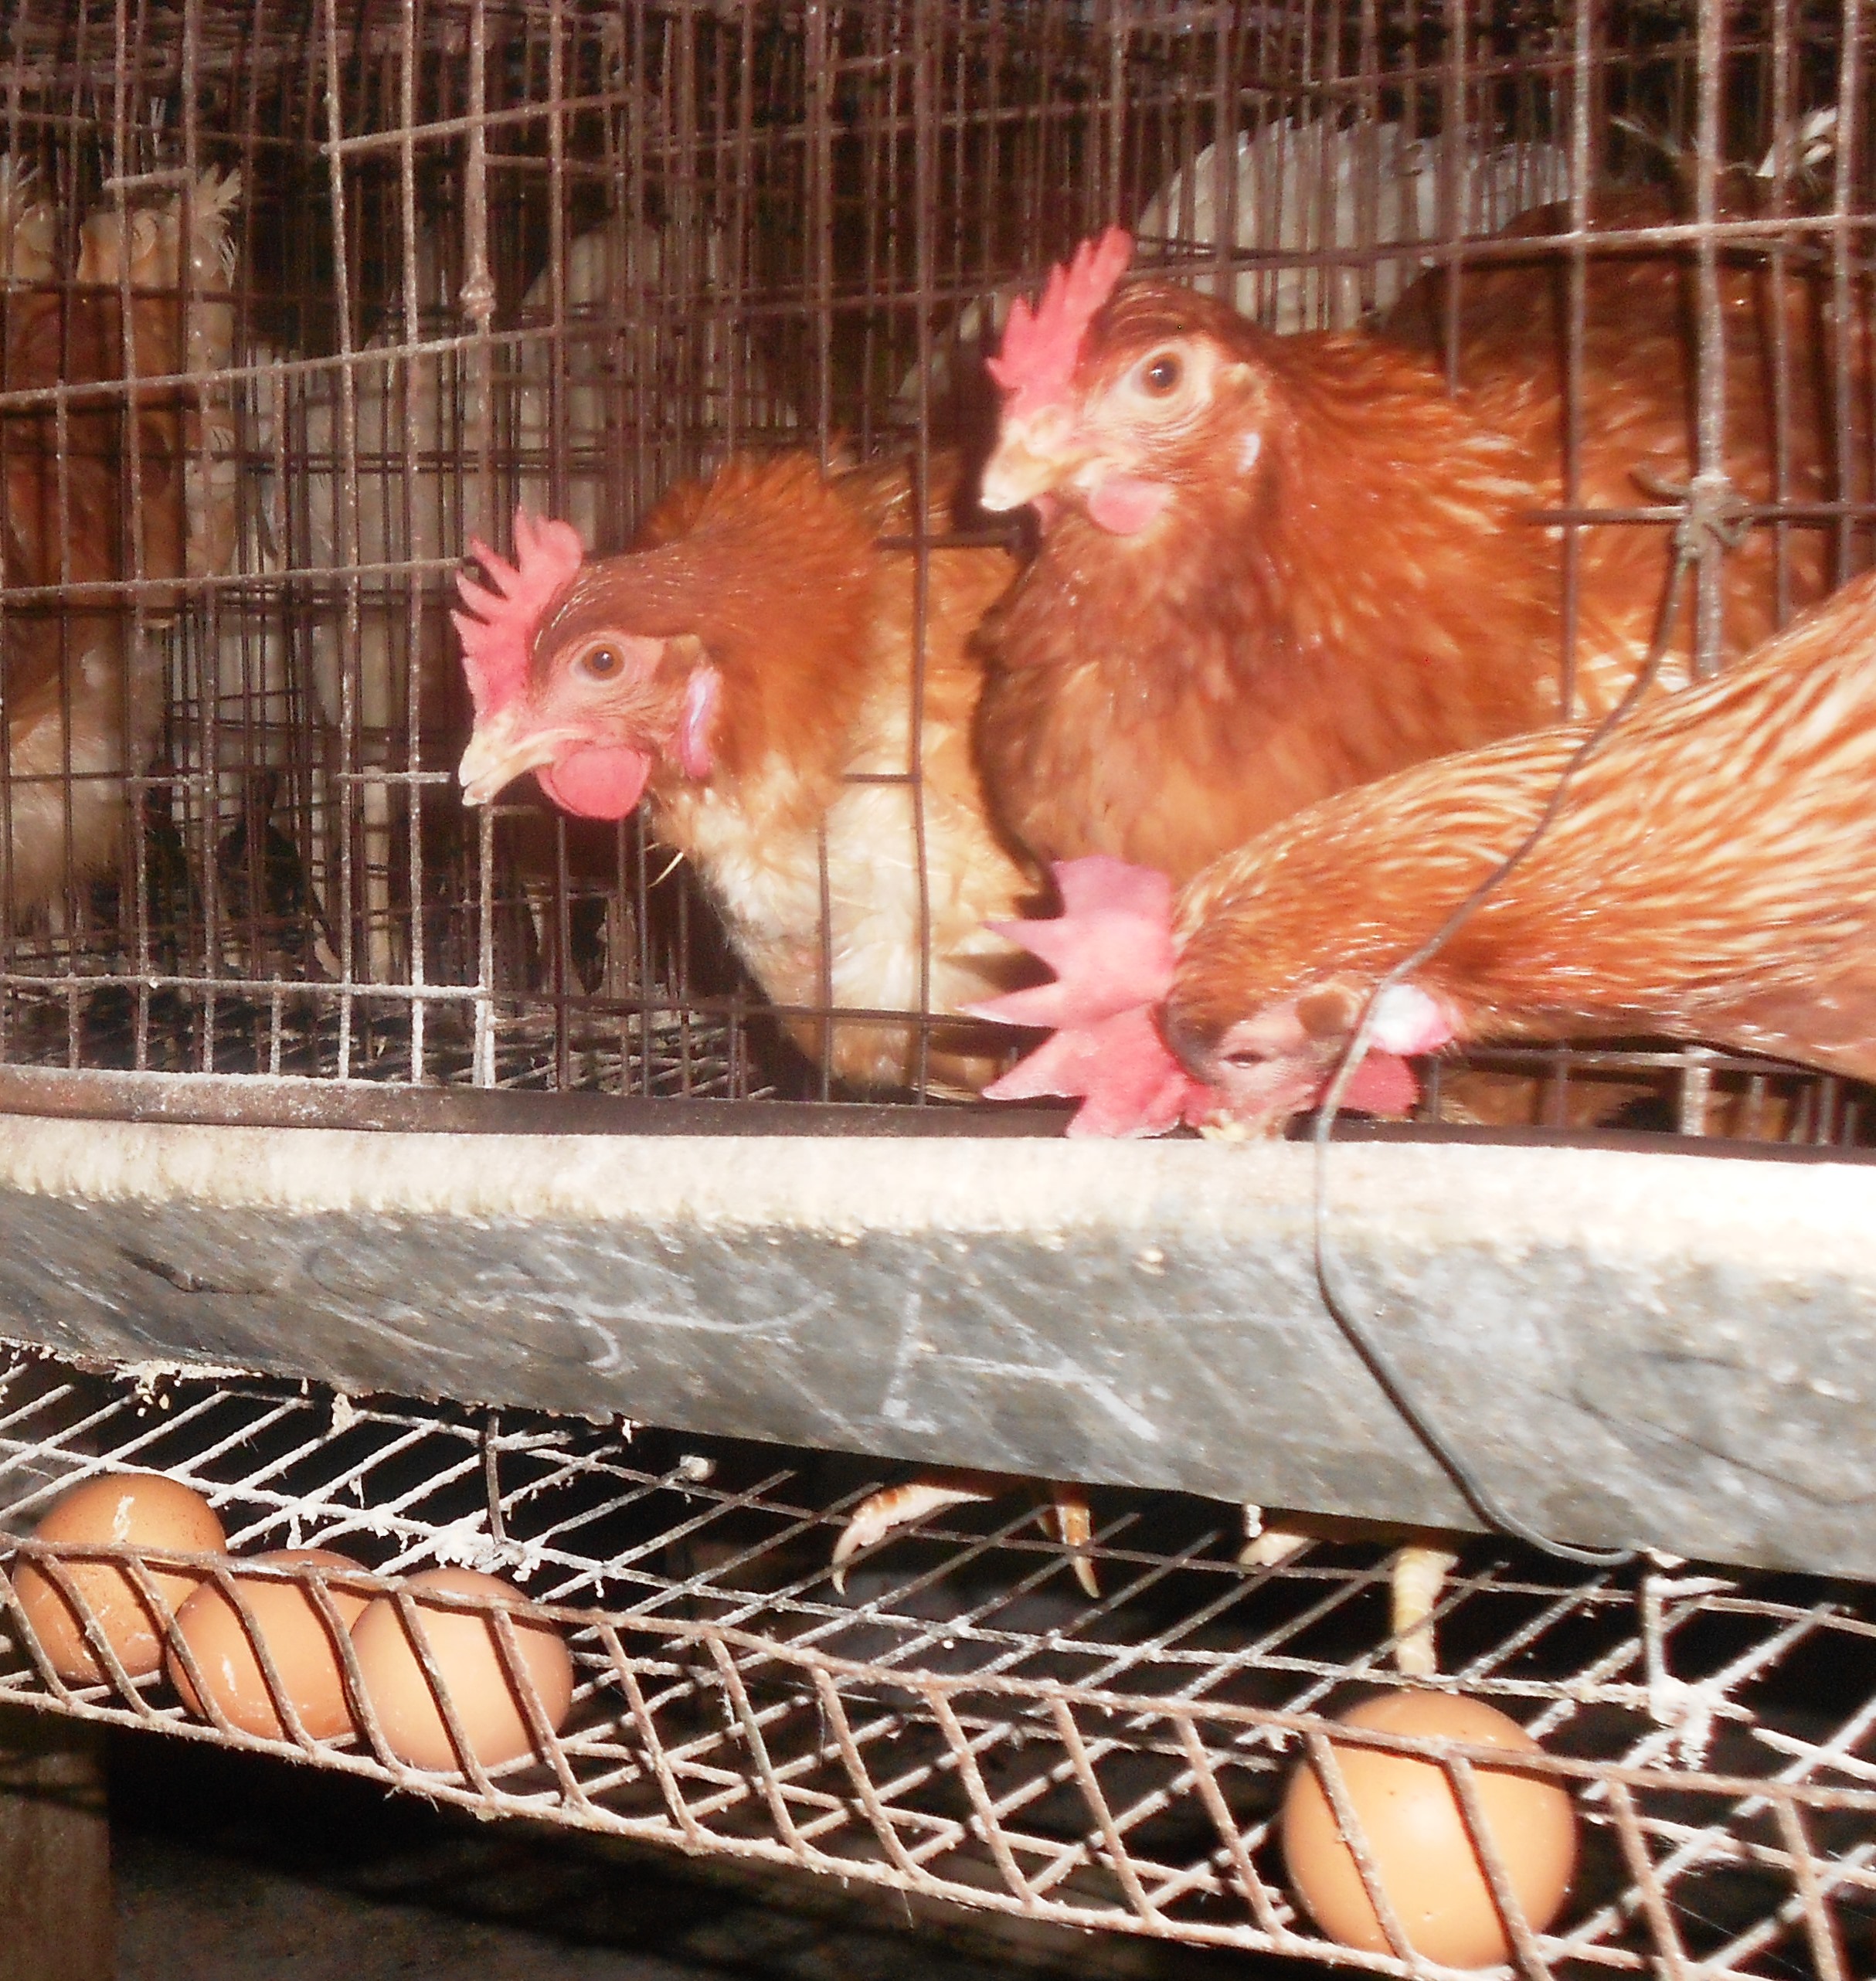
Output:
x,y
1067,1514
875,1518
1264,1547
1415,1576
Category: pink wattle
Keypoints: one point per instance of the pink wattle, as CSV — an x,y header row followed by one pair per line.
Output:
x,y
1123,505
595,784
1384,1083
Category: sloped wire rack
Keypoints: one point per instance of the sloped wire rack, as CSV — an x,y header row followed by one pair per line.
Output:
x,y
960,1722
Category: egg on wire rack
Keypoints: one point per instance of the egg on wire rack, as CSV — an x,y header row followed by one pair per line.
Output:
x,y
128,1510
462,1642
1416,1834
287,1617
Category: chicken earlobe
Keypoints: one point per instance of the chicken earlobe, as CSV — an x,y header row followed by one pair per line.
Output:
x,y
702,695
1407,1021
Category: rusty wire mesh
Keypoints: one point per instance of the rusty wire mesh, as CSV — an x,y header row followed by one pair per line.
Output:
x,y
962,1722
567,254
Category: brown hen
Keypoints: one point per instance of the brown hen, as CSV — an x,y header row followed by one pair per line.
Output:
x,y
97,498
1710,873
750,667
1272,568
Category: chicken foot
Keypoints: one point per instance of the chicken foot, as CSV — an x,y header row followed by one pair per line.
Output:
x,y
894,1507
1416,1576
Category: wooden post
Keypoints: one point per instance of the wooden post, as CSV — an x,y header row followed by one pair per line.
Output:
x,y
57,1921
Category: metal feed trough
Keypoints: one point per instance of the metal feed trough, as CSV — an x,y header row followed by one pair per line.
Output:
x,y
1630,1344
439,1186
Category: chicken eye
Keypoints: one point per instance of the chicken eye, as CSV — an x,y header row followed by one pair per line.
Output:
x,y
601,663
1161,375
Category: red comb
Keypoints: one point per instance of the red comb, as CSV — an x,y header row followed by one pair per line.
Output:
x,y
1111,951
1037,357
498,629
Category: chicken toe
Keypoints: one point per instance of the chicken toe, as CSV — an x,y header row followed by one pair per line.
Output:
x,y
1417,1575
875,1518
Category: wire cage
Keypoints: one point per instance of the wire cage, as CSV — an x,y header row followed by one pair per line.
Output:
x,y
301,302
371,279
958,1721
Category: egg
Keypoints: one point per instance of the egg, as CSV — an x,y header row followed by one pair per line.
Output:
x,y
287,1616
1418,1836
462,1644
139,1510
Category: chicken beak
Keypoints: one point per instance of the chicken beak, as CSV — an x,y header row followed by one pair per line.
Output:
x,y
1034,455
498,755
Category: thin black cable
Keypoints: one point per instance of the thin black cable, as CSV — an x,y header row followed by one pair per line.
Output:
x,y
1708,518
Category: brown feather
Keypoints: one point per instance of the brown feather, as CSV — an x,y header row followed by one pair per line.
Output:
x,y
771,571
1638,410
1711,874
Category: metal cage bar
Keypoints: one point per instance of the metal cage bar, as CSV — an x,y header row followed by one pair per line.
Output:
x,y
564,258
960,1722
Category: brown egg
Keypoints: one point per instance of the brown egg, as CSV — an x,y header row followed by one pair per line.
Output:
x,y
141,1510
287,1616
1417,1834
462,1644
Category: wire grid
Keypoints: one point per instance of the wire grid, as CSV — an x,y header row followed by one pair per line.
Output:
x,y
569,253
962,1722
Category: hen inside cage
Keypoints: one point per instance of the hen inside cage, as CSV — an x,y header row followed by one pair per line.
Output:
x,y
959,1717
286,346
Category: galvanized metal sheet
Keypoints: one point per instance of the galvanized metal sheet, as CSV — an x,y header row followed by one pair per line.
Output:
x,y
1661,1347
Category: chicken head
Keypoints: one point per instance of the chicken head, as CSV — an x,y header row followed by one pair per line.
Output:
x,y
1112,403
561,689
1279,1060
1115,950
